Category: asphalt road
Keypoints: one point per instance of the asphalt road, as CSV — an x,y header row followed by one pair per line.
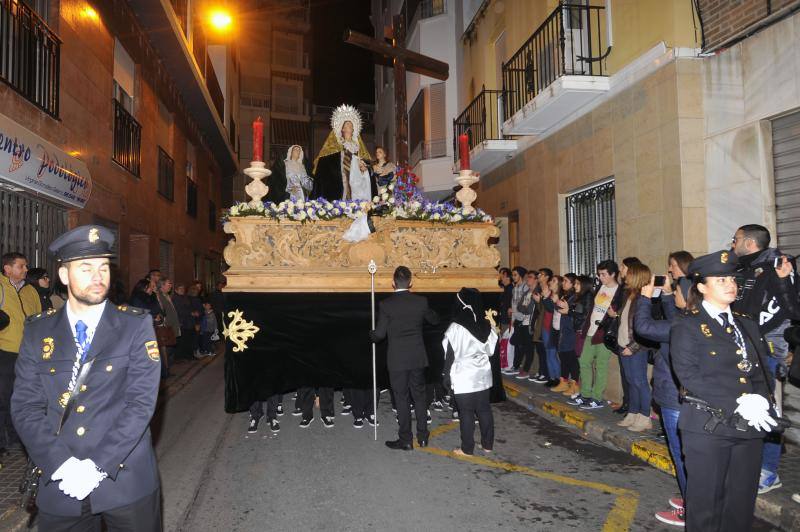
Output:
x,y
541,476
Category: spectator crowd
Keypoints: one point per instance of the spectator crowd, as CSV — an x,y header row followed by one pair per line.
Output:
x,y
561,332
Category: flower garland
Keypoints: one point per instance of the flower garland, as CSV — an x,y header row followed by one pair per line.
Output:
x,y
400,200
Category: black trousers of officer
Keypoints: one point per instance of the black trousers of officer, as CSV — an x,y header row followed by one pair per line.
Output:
x,y
361,401
470,404
404,382
305,397
257,408
721,481
143,515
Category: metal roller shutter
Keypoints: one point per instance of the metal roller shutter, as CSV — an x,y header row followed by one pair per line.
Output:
x,y
786,160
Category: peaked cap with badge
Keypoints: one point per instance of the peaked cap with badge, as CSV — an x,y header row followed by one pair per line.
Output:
x,y
84,242
718,264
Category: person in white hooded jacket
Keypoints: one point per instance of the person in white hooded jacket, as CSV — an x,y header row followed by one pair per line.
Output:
x,y
468,343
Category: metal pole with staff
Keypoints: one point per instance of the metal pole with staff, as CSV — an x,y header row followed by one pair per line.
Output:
x,y
373,268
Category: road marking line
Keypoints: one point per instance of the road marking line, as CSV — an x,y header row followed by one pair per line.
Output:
x,y
625,503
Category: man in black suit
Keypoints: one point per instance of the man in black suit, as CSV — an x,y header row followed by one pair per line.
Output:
x,y
400,319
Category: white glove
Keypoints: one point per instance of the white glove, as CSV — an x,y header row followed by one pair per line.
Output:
x,y
754,409
79,478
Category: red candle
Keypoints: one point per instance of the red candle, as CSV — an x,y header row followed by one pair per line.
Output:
x,y
463,150
258,139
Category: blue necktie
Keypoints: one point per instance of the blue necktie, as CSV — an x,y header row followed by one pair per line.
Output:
x,y
83,340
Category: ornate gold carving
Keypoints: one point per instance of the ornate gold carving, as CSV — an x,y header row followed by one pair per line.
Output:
x,y
263,247
239,330
490,314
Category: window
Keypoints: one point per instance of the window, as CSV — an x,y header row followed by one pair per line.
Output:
x,y
165,259
591,228
287,96
166,175
30,54
287,50
191,197
127,131
212,216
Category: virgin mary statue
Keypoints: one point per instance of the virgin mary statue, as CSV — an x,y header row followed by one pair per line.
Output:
x,y
341,170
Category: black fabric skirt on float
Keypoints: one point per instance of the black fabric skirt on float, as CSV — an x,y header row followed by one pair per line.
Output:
x,y
321,339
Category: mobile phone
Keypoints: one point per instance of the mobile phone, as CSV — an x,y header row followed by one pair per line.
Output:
x,y
776,263
661,280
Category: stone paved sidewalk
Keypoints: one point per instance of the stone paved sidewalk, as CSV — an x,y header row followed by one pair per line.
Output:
x,y
600,425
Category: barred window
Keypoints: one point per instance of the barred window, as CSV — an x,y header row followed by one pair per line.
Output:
x,y
166,175
591,228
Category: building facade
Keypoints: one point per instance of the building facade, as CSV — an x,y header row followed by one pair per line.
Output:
x,y
276,82
139,124
433,28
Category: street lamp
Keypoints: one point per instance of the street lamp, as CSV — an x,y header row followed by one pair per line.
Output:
x,y
220,20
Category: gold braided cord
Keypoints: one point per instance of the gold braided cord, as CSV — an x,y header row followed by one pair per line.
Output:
x,y
332,146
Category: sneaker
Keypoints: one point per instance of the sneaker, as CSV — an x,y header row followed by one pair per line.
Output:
x,y
796,497
346,410
274,426
394,411
372,422
539,379
507,371
358,423
522,375
279,410
592,404
294,396
455,415
383,391
297,412
305,423
429,418
252,427
437,405
552,383
769,481
677,503
328,421
578,400
673,516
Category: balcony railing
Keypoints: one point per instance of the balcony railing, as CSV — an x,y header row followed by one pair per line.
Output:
x,y
570,42
416,10
481,120
254,99
428,149
127,140
30,56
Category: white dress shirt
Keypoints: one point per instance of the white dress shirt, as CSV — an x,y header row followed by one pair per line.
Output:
x,y
91,318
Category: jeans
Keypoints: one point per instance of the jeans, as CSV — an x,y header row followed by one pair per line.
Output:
x,y
638,388
594,369
553,363
771,455
669,418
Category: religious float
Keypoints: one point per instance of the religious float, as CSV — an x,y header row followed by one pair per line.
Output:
x,y
302,275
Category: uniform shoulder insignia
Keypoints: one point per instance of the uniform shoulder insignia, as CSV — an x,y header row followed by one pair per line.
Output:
x,y
132,310
41,315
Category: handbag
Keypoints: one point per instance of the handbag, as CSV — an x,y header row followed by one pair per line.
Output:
x,y
610,335
166,335
29,485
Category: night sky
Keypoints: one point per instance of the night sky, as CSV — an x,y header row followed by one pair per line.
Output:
x,y
342,73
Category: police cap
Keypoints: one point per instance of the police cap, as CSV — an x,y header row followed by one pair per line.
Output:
x,y
717,264
84,242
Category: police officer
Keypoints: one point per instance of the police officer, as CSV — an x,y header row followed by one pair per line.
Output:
x,y
717,356
86,388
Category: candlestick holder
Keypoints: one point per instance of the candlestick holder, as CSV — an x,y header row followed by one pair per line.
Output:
x,y
256,189
465,195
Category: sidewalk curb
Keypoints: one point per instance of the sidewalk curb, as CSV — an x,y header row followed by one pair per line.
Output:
x,y
652,453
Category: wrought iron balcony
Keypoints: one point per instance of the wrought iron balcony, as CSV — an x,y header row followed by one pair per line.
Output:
x,y
482,121
127,140
567,47
30,56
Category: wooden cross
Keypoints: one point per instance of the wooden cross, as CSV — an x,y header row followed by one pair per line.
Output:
x,y
402,60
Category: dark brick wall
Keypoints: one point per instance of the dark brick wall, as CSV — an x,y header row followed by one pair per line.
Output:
x,y
724,18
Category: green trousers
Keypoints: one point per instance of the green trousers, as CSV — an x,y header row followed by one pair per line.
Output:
x,y
594,370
